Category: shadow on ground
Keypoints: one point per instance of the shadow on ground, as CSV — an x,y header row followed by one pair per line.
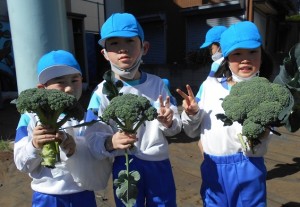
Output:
x,y
283,170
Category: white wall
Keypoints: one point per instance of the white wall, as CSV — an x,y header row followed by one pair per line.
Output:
x,y
94,11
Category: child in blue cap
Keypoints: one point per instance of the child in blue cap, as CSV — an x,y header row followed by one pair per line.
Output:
x,y
122,39
231,175
65,185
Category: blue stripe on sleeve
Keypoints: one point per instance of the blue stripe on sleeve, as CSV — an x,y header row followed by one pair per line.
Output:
x,y
91,115
21,132
94,102
22,127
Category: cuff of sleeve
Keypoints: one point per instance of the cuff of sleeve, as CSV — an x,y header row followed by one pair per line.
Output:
x,y
31,150
191,118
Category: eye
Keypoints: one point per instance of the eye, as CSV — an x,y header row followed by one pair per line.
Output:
x,y
113,43
253,51
236,53
75,80
130,40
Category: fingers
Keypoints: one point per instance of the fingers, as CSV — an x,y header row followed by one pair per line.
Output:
x,y
167,104
190,92
162,103
182,94
42,135
67,143
189,97
123,140
166,118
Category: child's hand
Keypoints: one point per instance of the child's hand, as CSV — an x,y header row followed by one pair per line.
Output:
x,y
42,135
189,103
67,143
120,140
165,114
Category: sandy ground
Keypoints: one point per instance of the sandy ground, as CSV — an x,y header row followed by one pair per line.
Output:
x,y
282,162
15,188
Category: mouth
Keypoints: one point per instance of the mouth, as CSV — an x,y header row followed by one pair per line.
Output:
x,y
124,57
246,69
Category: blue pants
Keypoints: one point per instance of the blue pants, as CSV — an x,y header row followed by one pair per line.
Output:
x,y
234,180
156,186
85,198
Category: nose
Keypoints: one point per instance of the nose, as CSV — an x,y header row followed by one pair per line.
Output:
x,y
68,89
122,51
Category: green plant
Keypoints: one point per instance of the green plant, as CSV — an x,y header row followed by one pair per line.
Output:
x,y
129,112
5,145
48,106
258,105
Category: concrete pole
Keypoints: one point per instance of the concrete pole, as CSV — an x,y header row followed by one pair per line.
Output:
x,y
37,27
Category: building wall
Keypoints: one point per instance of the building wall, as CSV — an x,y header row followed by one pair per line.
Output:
x,y
170,24
93,9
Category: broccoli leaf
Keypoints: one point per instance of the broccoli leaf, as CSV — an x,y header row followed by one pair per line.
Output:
x,y
110,87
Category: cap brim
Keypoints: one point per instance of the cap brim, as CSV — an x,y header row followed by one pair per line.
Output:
x,y
250,44
56,71
126,34
205,44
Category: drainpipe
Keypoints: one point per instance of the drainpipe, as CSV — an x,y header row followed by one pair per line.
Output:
x,y
250,10
37,27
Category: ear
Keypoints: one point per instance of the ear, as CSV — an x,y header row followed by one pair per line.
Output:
x,y
40,85
146,46
104,53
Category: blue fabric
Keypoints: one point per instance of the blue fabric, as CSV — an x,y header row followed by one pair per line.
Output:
x,y
213,35
156,186
48,65
22,127
81,199
91,115
233,180
122,25
242,35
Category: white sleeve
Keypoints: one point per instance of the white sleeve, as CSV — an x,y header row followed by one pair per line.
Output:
x,y
191,124
96,135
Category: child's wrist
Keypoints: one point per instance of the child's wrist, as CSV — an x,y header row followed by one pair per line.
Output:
x,y
108,144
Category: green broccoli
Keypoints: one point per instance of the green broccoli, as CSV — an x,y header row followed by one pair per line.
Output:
x,y
129,111
257,104
48,106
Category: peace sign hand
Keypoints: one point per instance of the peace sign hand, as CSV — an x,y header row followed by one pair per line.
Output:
x,y
165,114
189,103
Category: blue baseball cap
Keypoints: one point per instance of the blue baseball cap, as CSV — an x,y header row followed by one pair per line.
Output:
x,y
55,64
241,35
120,25
213,35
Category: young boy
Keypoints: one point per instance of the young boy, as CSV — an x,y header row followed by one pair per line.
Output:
x,y
54,187
122,39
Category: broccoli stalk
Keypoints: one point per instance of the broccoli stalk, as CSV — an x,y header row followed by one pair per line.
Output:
x,y
48,106
129,112
257,105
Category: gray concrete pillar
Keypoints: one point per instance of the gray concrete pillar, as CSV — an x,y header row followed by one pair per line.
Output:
x,y
37,27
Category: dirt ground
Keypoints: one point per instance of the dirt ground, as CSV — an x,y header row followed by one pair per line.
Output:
x,y
15,188
282,162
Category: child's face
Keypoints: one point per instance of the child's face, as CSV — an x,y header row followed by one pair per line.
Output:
x,y
245,62
214,48
123,52
71,84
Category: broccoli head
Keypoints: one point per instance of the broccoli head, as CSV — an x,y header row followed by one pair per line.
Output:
x,y
257,104
129,111
48,106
